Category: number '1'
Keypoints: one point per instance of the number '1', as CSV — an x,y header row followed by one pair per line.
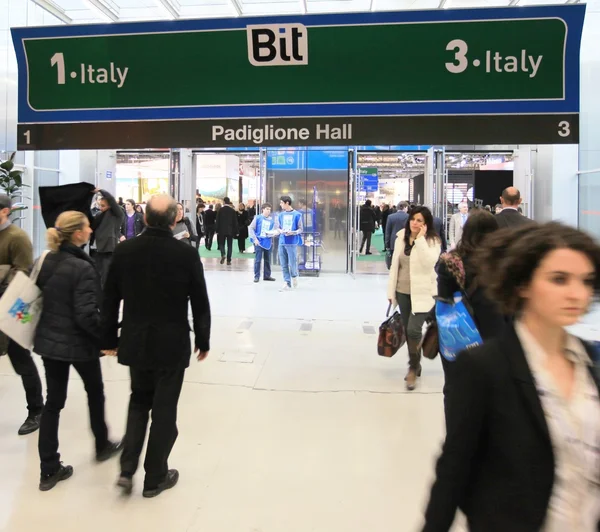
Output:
x,y
58,59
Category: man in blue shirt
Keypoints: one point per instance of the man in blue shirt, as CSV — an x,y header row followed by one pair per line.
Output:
x,y
290,229
261,230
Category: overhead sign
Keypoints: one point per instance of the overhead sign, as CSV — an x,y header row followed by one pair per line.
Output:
x,y
459,63
369,179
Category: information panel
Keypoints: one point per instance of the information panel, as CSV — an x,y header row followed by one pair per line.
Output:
x,y
243,81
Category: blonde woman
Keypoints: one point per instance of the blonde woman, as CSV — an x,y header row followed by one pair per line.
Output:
x,y
412,283
67,335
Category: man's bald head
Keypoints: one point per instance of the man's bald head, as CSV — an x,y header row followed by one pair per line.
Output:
x,y
511,197
161,212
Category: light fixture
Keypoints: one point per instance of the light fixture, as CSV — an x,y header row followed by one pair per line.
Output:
x,y
54,10
170,8
109,14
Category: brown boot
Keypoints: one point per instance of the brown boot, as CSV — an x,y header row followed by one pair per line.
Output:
x,y
411,378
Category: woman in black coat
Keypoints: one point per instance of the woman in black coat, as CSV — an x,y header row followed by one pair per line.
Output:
x,y
67,335
522,449
243,223
456,273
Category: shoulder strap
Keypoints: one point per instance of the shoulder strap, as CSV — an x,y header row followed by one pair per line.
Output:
x,y
37,267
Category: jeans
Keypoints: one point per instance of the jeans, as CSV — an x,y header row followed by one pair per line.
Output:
x,y
259,254
222,241
413,325
157,390
288,257
25,367
57,381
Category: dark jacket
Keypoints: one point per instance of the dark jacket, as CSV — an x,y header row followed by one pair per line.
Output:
x,y
488,318
69,326
243,223
395,222
200,224
107,225
497,462
58,199
510,218
155,276
227,221
439,229
210,218
367,219
138,224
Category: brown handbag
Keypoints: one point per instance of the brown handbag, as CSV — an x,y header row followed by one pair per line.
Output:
x,y
391,335
430,342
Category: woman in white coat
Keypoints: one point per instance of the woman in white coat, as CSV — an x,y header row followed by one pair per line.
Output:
x,y
412,283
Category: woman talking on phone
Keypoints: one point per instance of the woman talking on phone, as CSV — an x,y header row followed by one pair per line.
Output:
x,y
522,449
412,282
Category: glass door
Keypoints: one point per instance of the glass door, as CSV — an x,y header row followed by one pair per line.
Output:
x,y
353,224
436,179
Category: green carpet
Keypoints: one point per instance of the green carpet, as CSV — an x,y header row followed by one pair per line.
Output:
x,y
216,254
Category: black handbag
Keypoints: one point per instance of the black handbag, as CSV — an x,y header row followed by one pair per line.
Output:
x,y
392,335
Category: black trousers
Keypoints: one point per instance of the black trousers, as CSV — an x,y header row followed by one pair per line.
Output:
x,y
57,382
156,390
229,241
25,367
241,243
102,264
366,237
208,238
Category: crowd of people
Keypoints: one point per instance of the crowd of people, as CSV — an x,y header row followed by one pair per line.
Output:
x,y
522,409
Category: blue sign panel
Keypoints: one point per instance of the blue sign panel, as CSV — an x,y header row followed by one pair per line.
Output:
x,y
369,180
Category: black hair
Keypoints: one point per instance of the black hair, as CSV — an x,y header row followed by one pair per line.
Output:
x,y
368,203
266,206
428,217
478,226
286,199
226,201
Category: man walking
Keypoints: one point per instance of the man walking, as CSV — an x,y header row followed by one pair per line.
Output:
x,y
395,223
509,216
290,229
227,228
457,223
16,254
210,222
107,231
262,229
368,221
155,276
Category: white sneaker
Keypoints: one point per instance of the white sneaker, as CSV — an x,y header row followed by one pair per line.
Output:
x,y
285,288
295,282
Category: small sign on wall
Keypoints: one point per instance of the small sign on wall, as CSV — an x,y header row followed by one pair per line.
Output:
x,y
109,175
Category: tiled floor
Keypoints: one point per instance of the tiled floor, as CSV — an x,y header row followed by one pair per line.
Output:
x,y
293,424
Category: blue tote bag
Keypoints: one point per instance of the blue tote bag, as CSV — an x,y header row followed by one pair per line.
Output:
x,y
456,327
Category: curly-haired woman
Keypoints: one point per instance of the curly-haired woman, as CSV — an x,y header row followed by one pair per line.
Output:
x,y
522,449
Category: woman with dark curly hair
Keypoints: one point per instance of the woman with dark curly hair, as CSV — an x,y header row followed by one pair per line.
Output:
x,y
412,281
456,273
522,449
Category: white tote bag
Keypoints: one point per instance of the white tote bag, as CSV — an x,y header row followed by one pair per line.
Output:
x,y
21,306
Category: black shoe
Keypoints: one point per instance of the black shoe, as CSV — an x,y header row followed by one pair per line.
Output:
x,y
109,451
270,279
47,482
256,280
167,484
228,263
368,253
222,260
126,484
32,423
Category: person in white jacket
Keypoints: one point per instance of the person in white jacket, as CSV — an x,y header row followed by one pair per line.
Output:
x,y
412,283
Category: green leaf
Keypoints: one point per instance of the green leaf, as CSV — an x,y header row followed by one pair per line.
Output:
x,y
7,165
18,180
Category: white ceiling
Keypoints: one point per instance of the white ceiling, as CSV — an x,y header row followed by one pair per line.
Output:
x,y
91,11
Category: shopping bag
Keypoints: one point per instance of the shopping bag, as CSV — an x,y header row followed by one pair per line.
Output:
x,y
21,307
391,335
388,259
456,328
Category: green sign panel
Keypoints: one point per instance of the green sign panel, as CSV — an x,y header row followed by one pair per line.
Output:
x,y
519,59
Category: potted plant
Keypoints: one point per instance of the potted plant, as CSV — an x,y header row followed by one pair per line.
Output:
x,y
11,183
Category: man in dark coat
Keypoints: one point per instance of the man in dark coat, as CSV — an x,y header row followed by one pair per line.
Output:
x,y
510,216
155,276
107,231
210,223
395,222
367,226
227,229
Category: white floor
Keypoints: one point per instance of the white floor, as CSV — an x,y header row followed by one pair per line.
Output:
x,y
293,424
